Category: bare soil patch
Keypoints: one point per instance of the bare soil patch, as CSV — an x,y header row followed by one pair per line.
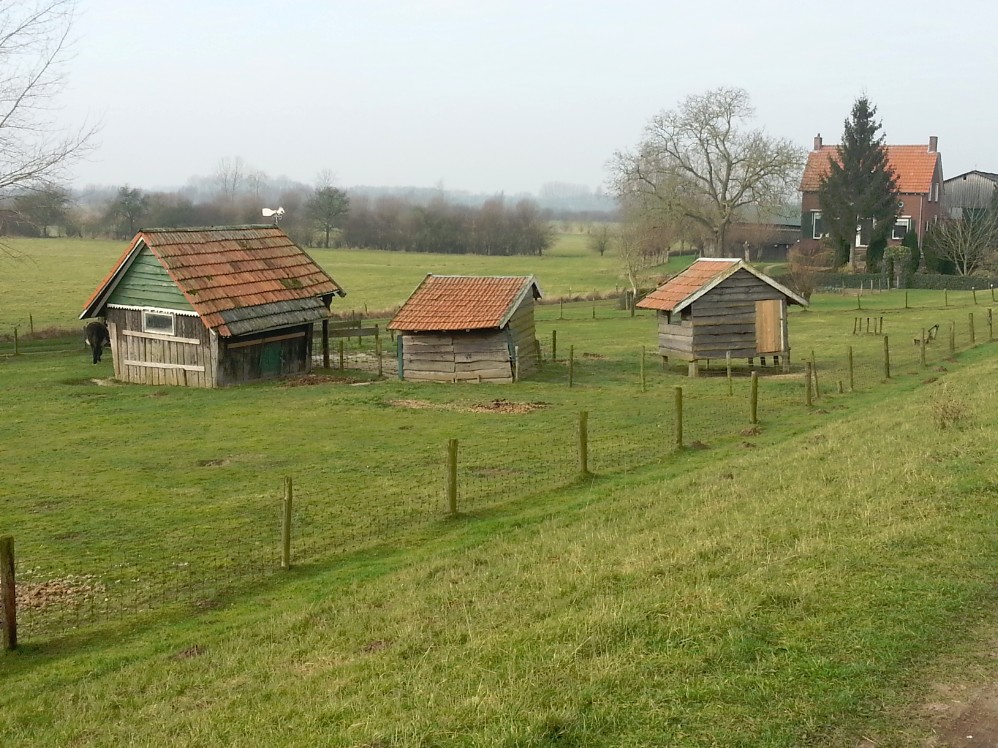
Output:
x,y
963,715
309,380
66,592
499,405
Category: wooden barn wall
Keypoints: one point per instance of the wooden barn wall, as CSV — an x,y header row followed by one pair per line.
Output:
x,y
675,337
523,334
265,355
457,357
183,359
724,319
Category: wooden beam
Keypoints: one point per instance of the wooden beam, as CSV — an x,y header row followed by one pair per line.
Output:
x,y
153,365
164,338
261,341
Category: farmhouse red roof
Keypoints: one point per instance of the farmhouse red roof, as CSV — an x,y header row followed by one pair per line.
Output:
x,y
227,268
461,302
666,297
914,166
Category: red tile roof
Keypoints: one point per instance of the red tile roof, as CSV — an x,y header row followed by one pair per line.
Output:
x,y
914,166
461,302
699,278
226,268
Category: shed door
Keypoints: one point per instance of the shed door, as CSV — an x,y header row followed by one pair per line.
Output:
x,y
270,360
769,326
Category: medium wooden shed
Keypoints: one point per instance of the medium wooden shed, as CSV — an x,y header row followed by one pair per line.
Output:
x,y
207,307
466,328
721,306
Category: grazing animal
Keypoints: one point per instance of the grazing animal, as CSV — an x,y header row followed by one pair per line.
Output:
x,y
97,337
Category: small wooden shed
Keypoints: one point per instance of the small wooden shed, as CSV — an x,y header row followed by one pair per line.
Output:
x,y
466,328
721,306
207,307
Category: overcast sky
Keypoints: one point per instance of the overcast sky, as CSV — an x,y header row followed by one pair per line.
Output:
x,y
504,96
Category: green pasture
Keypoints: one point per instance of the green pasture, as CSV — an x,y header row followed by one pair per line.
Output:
x,y
45,282
781,584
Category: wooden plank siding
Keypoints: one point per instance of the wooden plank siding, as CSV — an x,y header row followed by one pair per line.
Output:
x,y
147,284
455,357
523,335
147,358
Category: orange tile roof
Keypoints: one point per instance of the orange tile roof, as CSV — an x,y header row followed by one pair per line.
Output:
x,y
462,302
222,269
666,297
914,166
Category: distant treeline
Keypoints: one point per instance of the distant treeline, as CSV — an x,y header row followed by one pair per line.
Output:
x,y
494,228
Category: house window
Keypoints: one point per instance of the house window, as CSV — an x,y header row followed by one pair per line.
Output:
x,y
901,227
863,232
817,225
934,193
159,323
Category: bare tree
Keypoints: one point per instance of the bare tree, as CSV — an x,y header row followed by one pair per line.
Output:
x,y
229,175
599,237
326,208
699,162
969,242
34,152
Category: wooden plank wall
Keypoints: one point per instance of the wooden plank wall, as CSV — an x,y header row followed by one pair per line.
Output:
x,y
524,334
675,337
240,357
456,357
145,358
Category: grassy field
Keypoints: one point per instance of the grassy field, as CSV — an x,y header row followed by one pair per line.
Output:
x,y
781,585
50,279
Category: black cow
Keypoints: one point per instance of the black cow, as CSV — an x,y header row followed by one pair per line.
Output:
x,y
97,337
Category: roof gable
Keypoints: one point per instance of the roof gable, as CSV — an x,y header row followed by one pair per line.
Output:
x,y
145,282
227,274
700,278
462,302
914,165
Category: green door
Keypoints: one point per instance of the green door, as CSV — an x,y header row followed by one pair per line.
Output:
x,y
270,360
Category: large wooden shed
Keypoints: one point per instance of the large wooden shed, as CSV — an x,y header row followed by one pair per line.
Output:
x,y
721,306
466,328
207,307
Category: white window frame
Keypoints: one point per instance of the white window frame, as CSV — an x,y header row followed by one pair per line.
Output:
x,y
934,193
859,231
907,222
158,330
815,216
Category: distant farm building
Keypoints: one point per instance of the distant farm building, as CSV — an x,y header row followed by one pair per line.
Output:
x,y
207,307
718,307
463,328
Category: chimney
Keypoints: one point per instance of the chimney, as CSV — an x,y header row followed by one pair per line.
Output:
x,y
817,142
933,143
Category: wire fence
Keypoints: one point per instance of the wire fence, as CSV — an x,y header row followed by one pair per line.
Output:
x,y
391,500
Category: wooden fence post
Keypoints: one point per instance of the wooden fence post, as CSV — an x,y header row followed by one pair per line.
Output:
x,y
16,351
974,291
921,345
286,524
814,376
561,309
807,384
973,337
952,338
377,352
8,593
991,327
727,363
945,297
881,326
852,382
887,358
571,365
554,345
31,325
679,417
754,399
452,477
584,444
643,388
341,354
325,344
906,298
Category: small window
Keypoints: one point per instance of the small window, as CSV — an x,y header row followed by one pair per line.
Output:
x,y
901,227
818,225
158,323
934,193
863,232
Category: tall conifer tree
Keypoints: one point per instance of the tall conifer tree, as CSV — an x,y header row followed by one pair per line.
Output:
x,y
860,191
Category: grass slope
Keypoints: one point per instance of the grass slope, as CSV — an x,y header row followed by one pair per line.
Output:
x,y
772,596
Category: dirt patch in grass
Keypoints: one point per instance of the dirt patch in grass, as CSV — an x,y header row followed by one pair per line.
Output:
x,y
195,650
751,431
593,355
499,405
308,380
963,715
376,646
219,462
66,592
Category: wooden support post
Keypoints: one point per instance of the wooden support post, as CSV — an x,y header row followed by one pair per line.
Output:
x,y
855,321
859,298
887,358
906,298
31,325
537,350
377,352
952,338
584,444
554,345
754,399
814,376
679,417
851,380
643,388
867,325
880,326
945,297
970,321
692,370
594,308
921,346
727,364
516,363
286,524
571,365
807,383
991,327
8,593
325,344
974,291
561,309
452,477
341,355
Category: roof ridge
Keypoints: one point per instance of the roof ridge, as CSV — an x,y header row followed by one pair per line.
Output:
x,y
185,229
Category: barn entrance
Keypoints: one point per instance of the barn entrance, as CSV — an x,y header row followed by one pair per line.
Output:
x,y
769,326
270,360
